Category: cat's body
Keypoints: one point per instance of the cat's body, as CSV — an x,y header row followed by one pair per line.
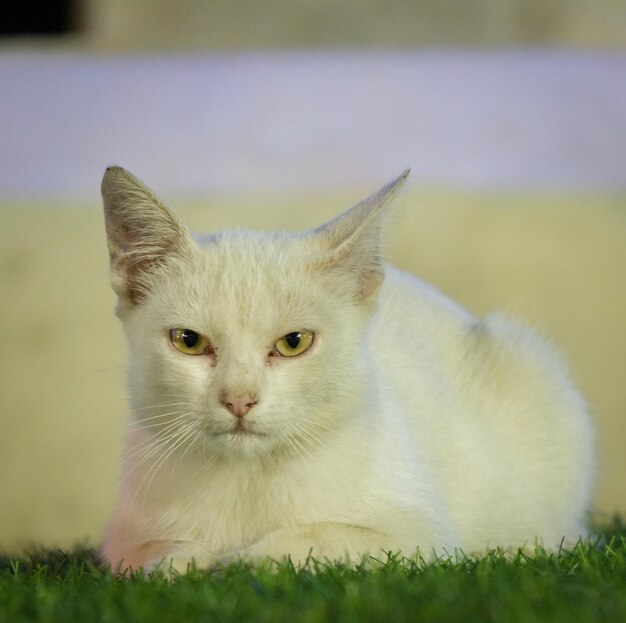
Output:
x,y
403,423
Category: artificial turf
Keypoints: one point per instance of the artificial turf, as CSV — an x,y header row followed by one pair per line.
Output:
x,y
586,583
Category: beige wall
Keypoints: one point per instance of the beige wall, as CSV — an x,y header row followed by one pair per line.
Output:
x,y
248,24
558,262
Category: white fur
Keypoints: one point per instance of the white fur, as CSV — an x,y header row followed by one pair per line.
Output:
x,y
408,424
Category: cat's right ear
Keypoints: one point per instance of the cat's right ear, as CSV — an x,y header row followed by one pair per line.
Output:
x,y
142,233
351,243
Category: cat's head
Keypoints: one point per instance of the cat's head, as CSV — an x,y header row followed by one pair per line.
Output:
x,y
244,343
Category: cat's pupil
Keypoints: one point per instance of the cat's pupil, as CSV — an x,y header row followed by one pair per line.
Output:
x,y
293,339
190,338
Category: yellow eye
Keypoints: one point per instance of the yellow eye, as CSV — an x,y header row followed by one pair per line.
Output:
x,y
294,343
189,342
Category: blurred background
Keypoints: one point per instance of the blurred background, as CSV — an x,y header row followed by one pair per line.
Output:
x,y
276,114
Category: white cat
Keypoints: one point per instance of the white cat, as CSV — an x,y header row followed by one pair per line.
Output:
x,y
292,395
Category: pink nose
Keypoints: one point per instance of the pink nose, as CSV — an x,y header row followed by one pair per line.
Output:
x,y
238,405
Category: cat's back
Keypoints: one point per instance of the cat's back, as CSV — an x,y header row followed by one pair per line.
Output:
x,y
426,345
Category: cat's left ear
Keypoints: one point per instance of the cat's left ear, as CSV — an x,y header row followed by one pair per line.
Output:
x,y
352,241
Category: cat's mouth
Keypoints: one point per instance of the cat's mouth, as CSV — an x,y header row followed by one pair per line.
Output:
x,y
240,429
243,429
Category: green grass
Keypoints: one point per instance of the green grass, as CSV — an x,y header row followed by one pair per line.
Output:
x,y
587,583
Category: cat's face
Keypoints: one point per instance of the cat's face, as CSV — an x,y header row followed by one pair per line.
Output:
x,y
249,342
243,343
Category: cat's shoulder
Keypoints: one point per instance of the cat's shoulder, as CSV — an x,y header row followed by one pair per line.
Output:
x,y
410,297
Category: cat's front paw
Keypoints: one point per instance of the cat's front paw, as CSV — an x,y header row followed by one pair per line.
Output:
x,y
182,560
322,543
260,555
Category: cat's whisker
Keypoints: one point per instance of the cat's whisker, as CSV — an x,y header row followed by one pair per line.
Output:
x,y
184,435
160,449
303,452
332,429
296,450
194,431
137,424
208,457
161,406
164,430
155,446
160,425
306,429
303,432
156,441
